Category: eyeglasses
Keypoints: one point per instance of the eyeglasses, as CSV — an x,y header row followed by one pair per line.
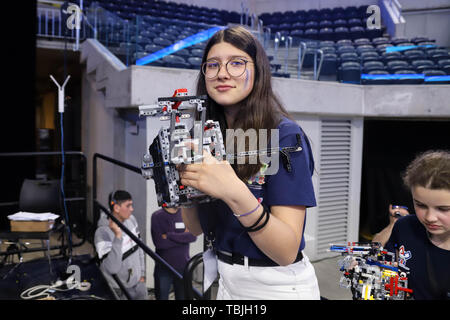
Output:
x,y
235,67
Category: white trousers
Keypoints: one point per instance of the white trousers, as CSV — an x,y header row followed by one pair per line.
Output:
x,y
293,282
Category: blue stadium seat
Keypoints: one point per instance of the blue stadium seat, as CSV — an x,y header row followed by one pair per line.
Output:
x,y
329,49
356,32
376,77
381,48
372,66
195,62
184,53
349,56
380,40
168,36
414,55
200,45
365,48
397,41
362,42
329,65
325,24
444,64
296,33
341,33
153,48
395,65
344,42
326,43
370,56
298,25
340,23
408,77
433,72
422,64
311,34
350,72
417,40
439,79
346,48
326,34
174,61
140,39
148,34
139,54
311,25
285,27
438,54
389,56
162,42
197,53
354,22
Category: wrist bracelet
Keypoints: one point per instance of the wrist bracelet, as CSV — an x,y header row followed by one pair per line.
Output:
x,y
246,214
262,224
255,226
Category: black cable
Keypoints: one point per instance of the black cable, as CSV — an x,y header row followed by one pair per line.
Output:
x,y
69,233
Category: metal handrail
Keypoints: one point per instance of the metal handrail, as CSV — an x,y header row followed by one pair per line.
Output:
x,y
317,69
191,292
288,45
301,57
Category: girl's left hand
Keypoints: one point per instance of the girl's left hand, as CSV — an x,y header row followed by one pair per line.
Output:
x,y
213,177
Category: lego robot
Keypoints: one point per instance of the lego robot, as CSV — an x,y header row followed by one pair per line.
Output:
x,y
182,142
371,272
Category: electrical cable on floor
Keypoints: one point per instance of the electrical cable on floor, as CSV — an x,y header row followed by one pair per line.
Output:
x,y
44,291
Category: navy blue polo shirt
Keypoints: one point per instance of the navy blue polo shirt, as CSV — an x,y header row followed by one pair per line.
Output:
x,y
429,265
280,188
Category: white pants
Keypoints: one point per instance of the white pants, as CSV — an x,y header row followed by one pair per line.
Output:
x,y
293,282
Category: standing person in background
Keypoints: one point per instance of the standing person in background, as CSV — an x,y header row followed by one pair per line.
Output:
x,y
118,253
171,239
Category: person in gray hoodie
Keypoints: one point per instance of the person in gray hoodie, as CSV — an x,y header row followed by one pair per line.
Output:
x,y
118,253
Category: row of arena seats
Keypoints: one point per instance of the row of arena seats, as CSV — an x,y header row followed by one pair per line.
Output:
x,y
129,9
314,15
348,62
346,58
325,24
334,34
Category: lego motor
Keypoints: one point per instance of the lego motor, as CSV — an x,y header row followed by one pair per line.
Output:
x,y
371,272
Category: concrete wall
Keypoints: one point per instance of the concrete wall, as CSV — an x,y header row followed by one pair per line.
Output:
x,y
434,23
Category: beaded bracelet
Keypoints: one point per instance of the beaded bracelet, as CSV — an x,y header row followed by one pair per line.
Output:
x,y
246,214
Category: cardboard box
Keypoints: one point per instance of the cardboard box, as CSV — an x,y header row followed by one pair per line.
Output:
x,y
31,226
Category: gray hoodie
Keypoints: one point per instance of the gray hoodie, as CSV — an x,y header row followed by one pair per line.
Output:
x,y
113,252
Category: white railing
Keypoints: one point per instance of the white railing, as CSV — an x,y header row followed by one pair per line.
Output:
x,y
51,24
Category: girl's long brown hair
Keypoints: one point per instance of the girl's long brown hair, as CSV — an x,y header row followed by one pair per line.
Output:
x,y
261,109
